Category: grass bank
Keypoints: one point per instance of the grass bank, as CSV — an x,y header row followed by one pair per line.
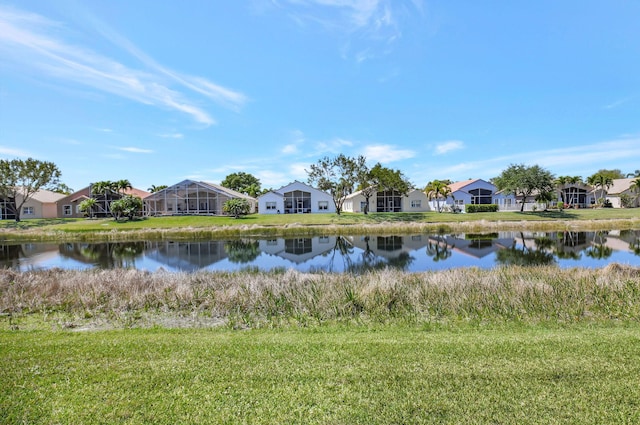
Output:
x,y
131,298
195,227
332,375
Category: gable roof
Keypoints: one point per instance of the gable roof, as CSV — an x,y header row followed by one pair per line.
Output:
x,y
619,186
206,185
462,184
47,197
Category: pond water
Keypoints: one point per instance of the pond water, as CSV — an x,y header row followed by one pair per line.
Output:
x,y
338,254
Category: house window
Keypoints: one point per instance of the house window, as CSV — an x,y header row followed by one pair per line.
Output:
x,y
460,202
270,205
480,196
66,210
363,206
416,203
27,211
323,205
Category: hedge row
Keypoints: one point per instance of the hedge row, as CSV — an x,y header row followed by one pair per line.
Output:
x,y
481,208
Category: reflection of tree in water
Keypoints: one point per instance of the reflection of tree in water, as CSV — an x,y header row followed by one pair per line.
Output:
x,y
439,249
598,250
525,256
367,261
633,237
105,255
566,243
242,251
10,255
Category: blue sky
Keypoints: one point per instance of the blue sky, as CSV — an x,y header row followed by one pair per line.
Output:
x,y
157,92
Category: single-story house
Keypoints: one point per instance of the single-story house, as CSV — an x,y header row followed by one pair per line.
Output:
x,y
387,201
296,198
619,188
472,191
42,204
69,206
192,197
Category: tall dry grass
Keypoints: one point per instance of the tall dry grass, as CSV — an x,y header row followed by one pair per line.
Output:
x,y
274,299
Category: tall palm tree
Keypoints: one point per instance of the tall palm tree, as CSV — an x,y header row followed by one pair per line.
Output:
x,y
437,189
601,181
154,188
561,184
574,181
123,185
634,174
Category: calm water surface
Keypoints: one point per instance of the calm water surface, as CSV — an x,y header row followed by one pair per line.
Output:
x,y
339,254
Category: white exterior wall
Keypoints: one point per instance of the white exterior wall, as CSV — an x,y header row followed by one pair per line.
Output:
x,y
317,196
354,203
270,197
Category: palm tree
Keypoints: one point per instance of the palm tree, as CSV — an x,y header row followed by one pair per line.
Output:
x,y
437,189
634,174
574,181
561,184
123,185
154,188
88,205
601,181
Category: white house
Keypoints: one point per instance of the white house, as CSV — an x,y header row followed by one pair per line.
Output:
x,y
472,191
387,201
296,198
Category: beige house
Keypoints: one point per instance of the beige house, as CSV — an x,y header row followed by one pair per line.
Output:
x,y
619,188
42,204
388,201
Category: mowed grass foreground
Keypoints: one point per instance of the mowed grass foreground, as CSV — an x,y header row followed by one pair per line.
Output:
x,y
510,374
511,345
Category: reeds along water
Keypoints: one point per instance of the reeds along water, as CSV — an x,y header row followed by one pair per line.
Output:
x,y
527,294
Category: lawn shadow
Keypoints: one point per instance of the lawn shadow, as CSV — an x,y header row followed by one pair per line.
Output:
x,y
554,214
34,223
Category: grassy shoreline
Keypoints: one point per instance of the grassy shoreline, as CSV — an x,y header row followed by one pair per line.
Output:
x,y
98,299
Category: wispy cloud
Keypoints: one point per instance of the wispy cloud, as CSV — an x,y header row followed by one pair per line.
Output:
x,y
13,152
36,45
135,150
369,26
171,135
387,153
617,103
448,146
582,159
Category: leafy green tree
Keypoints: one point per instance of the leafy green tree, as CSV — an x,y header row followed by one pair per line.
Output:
x,y
338,176
612,174
236,207
524,181
21,179
379,178
244,183
438,189
61,188
154,188
88,205
128,206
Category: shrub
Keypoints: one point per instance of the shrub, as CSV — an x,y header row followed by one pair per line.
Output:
x,y
481,208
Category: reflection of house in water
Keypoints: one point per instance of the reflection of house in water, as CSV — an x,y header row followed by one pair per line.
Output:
x,y
298,250
389,246
30,254
186,256
473,245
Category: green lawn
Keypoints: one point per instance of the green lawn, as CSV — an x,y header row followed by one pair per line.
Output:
x,y
292,223
508,374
